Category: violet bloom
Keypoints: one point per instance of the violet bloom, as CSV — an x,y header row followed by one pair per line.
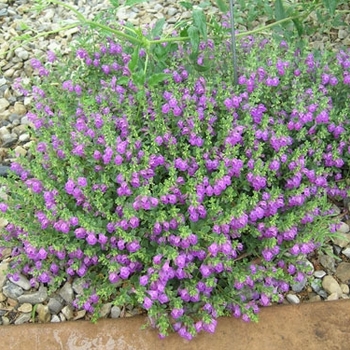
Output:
x,y
82,181
124,272
143,280
80,233
134,222
267,254
176,313
42,254
133,246
69,186
3,207
113,277
205,270
44,277
180,261
91,239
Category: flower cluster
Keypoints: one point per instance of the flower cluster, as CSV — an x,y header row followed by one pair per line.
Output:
x,y
194,199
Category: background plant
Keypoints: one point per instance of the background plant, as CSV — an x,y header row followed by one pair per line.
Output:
x,y
178,191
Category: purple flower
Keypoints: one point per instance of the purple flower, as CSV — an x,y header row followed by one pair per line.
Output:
x,y
210,327
80,233
113,277
42,254
205,270
180,164
133,246
82,181
3,207
91,239
147,303
143,280
124,272
180,261
176,313
69,186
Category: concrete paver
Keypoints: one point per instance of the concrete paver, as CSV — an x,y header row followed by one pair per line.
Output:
x,y
308,326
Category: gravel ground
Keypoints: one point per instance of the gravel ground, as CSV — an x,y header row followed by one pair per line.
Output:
x,y
19,302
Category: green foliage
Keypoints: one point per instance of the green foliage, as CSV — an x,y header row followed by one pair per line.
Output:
x,y
162,184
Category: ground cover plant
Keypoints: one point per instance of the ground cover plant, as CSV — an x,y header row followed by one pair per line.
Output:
x,y
163,185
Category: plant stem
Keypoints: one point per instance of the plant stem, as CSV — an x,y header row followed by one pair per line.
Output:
x,y
233,43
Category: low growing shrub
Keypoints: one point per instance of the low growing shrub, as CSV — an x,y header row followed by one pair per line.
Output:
x,y
191,198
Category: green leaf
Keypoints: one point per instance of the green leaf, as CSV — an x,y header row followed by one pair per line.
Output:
x,y
331,5
133,2
222,5
134,59
186,5
123,80
298,26
279,10
115,3
138,78
193,33
158,28
158,78
200,21
204,4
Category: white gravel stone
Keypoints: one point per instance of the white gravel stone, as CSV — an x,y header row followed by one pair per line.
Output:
x,y
333,296
343,228
24,137
3,271
330,285
3,104
342,239
345,288
293,299
67,311
22,54
105,310
20,151
26,307
319,274
19,108
346,252
55,319
342,34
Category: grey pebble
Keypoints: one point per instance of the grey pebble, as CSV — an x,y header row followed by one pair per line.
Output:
x,y
327,262
346,252
115,312
67,293
34,298
55,306
105,310
67,311
22,282
298,287
77,286
23,318
12,291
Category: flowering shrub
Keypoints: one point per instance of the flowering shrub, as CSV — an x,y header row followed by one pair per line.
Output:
x,y
191,198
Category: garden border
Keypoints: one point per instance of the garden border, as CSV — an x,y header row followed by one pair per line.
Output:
x,y
321,325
